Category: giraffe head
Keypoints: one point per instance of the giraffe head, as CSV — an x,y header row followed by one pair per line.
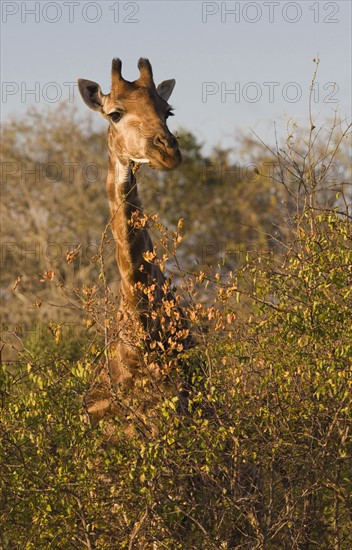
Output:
x,y
137,113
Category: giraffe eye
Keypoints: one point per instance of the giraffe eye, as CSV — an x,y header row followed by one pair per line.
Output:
x,y
115,116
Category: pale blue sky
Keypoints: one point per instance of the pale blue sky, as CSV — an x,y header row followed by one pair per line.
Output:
x,y
263,51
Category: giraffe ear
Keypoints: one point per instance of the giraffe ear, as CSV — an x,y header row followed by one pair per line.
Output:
x,y
91,94
165,88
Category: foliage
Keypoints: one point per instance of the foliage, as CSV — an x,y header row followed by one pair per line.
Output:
x,y
260,459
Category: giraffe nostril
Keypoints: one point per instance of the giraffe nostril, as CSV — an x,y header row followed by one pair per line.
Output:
x,y
165,142
161,141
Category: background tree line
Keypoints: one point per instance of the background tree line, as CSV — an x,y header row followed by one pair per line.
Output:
x,y
54,207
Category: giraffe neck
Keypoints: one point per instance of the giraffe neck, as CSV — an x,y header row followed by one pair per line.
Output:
x,y
131,242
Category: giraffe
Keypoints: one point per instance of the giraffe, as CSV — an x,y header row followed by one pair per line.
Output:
x,y
138,133
137,113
